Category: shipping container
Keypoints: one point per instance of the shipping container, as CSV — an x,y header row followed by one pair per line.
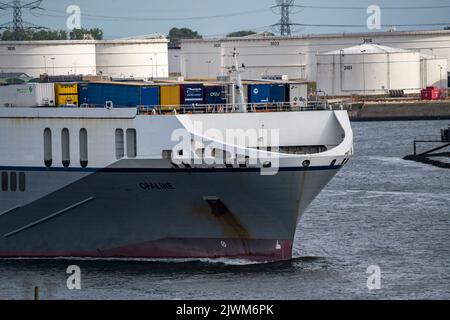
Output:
x,y
28,95
66,88
432,93
215,95
83,91
66,94
277,93
297,94
192,94
67,99
170,96
121,95
259,93
150,96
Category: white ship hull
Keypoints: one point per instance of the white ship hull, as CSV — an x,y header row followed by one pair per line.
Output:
x,y
155,202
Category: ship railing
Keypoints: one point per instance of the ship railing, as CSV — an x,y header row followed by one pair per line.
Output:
x,y
232,108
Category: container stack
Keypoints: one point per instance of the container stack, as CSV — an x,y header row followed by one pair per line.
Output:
x,y
28,95
165,95
432,93
66,94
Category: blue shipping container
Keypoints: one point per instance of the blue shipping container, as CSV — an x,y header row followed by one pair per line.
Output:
x,y
259,93
277,93
83,90
121,95
150,96
192,94
214,95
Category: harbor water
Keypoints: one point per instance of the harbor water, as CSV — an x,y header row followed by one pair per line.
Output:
x,y
380,211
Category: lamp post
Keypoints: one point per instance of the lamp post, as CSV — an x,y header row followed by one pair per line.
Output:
x,y
156,64
209,65
45,64
364,71
151,59
302,75
53,65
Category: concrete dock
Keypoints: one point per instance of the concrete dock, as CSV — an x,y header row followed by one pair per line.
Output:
x,y
400,111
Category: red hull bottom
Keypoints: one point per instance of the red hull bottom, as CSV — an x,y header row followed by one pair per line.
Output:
x,y
252,250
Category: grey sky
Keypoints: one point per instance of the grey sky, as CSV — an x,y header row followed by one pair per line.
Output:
x,y
145,10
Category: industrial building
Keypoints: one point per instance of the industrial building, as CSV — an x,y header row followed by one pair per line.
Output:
x,y
371,69
124,58
296,56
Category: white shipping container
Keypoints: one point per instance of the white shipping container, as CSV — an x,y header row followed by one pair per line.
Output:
x,y
298,94
28,95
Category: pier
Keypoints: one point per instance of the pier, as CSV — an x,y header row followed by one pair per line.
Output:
x,y
441,159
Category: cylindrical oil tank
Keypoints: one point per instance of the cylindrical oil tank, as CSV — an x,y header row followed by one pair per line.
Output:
x,y
368,69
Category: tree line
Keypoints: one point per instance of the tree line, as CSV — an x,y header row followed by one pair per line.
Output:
x,y
175,35
38,35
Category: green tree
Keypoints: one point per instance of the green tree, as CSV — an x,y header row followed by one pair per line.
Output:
x,y
176,35
38,35
242,33
245,33
86,34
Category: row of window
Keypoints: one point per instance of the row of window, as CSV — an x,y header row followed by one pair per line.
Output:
x,y
131,146
131,143
65,147
13,181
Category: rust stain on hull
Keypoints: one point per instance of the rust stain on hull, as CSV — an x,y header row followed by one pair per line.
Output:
x,y
229,222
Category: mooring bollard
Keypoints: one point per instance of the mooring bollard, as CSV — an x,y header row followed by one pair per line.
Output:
x,y
36,293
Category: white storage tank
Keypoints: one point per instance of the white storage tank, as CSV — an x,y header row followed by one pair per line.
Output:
x,y
368,69
434,71
28,95
133,58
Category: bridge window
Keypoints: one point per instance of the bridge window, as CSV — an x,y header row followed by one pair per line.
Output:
x,y
120,149
4,181
65,147
131,143
22,182
13,181
48,148
83,148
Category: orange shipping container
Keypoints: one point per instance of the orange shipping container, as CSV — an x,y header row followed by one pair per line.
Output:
x,y
170,96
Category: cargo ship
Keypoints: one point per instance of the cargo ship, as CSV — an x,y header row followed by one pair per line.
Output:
x,y
154,180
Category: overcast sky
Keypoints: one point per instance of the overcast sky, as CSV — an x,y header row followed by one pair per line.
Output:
x,y
150,16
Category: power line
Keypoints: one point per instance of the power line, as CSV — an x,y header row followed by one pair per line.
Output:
x,y
17,25
365,8
284,25
440,24
118,18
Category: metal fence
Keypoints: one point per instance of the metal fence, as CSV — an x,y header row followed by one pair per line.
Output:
x,y
233,108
